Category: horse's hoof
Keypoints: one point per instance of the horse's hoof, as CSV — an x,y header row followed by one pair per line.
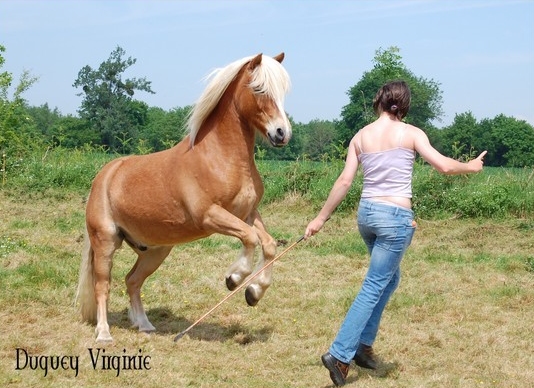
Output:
x,y
230,283
147,329
104,339
102,334
250,297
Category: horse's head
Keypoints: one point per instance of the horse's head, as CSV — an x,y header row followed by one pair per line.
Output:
x,y
260,95
254,88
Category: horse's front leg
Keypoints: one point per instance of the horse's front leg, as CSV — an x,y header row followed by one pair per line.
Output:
x,y
219,220
256,289
241,268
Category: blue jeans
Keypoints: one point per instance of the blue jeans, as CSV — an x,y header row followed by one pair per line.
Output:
x,y
387,230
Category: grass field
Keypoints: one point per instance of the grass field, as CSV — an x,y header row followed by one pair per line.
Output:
x,y
462,316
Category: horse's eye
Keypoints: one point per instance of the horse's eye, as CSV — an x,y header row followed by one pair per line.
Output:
x,y
258,90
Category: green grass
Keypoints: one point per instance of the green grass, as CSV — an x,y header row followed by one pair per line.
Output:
x,y
9,244
465,294
53,171
470,301
494,193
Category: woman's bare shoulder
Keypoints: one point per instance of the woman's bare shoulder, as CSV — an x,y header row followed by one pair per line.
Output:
x,y
414,131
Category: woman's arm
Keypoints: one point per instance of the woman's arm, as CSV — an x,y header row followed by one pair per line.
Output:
x,y
338,192
444,164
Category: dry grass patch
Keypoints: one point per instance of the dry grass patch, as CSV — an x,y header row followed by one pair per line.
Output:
x,y
462,316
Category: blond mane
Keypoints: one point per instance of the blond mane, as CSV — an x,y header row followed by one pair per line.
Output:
x,y
269,78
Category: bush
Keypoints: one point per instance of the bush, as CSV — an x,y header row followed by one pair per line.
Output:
x,y
495,192
54,169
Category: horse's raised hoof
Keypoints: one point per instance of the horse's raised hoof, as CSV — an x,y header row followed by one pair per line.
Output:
x,y
250,297
230,284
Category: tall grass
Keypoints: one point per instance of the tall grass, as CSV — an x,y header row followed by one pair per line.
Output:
x,y
54,171
466,294
495,192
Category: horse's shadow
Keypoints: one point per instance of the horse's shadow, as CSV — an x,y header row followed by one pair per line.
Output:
x,y
166,322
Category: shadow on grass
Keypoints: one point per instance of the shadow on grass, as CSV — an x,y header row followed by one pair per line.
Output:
x,y
166,322
384,370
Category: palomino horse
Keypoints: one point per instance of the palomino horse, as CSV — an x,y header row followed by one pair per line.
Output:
x,y
208,183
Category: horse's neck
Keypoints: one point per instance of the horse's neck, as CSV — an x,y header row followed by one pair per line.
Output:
x,y
226,131
231,147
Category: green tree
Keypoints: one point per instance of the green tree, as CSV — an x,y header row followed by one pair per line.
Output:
x,y
318,138
461,135
510,142
44,119
73,132
163,128
426,95
15,125
108,102
57,130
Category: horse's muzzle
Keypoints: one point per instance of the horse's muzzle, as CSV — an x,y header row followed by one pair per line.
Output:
x,y
280,138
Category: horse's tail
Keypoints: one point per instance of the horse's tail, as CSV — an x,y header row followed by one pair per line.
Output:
x,y
86,285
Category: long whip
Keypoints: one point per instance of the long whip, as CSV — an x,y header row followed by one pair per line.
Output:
x,y
181,334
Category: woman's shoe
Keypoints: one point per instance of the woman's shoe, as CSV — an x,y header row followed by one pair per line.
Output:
x,y
365,357
338,370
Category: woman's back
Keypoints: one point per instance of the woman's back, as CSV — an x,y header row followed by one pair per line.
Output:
x,y
384,134
387,156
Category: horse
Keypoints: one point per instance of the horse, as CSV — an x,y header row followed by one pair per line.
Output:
x,y
207,183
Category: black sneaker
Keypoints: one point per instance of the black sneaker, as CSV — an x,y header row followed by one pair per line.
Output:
x,y
365,357
338,370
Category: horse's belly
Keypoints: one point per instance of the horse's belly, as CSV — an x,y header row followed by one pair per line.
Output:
x,y
154,221
151,232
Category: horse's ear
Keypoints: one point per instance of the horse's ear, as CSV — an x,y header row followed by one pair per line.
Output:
x,y
255,61
280,57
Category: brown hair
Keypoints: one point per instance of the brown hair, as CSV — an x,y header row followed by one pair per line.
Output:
x,y
394,97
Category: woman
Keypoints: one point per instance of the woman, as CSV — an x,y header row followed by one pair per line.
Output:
x,y
386,150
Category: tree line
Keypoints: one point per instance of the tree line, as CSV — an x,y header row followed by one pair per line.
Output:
x,y
110,118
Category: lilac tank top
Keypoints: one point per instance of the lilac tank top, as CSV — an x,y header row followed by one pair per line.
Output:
x,y
387,173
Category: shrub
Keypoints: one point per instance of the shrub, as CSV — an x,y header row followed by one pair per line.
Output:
x,y
495,192
53,169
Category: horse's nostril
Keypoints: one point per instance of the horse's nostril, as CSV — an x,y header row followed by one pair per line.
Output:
x,y
280,134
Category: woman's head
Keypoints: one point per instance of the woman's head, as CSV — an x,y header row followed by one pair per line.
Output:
x,y
394,97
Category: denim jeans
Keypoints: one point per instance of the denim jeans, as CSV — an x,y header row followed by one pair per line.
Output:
x,y
387,230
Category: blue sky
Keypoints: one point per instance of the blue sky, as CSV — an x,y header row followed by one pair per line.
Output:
x,y
480,52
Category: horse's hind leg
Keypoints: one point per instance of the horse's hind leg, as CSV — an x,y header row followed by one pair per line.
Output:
x,y
147,262
104,246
